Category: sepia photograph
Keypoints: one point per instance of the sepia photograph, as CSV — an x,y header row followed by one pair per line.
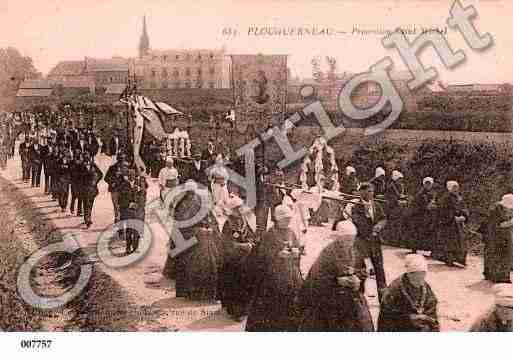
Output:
x,y
298,166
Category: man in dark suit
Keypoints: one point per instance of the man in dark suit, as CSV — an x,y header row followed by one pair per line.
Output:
x,y
92,143
81,145
72,136
209,154
115,144
112,178
23,150
45,153
77,172
36,163
91,176
197,170
369,218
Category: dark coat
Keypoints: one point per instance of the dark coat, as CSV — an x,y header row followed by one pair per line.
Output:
x,y
112,178
489,322
400,301
77,171
273,283
451,242
233,253
197,267
90,180
498,247
49,161
23,150
113,149
35,155
422,220
85,147
380,185
127,194
198,175
365,225
63,171
326,306
394,193
92,144
349,184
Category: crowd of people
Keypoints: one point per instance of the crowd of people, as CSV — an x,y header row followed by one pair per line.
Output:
x,y
250,259
67,160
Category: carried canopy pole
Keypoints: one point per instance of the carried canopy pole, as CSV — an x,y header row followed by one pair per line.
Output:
x,y
127,94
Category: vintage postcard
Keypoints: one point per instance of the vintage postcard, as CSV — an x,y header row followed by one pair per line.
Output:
x,y
254,166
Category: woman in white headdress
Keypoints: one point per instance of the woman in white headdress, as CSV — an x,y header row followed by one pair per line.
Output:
x,y
422,216
220,193
451,243
273,277
196,268
496,231
330,299
394,210
379,181
237,240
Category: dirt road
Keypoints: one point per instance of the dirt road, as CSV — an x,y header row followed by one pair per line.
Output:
x,y
138,298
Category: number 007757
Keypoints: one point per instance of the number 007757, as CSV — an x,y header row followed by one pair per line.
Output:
x,y
35,344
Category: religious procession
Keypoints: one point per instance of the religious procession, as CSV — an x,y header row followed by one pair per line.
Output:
x,y
250,259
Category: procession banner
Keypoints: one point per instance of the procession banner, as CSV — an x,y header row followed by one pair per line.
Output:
x,y
260,90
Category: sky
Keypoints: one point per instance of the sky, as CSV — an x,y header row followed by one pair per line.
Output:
x,y
50,31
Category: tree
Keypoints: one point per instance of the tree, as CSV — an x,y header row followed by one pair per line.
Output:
x,y
14,68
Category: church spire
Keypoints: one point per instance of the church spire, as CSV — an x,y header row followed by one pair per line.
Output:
x,y
144,42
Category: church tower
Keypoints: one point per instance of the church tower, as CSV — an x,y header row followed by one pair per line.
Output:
x,y
144,42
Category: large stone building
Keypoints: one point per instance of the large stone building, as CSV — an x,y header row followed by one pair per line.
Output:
x,y
92,73
174,69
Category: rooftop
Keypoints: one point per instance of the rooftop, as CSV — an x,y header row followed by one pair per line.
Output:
x,y
67,68
36,84
33,92
114,64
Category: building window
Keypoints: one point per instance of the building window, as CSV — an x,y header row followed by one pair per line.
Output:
x,y
153,73
164,85
175,72
199,84
164,73
178,57
188,84
187,72
211,85
211,56
199,71
212,70
164,58
199,57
